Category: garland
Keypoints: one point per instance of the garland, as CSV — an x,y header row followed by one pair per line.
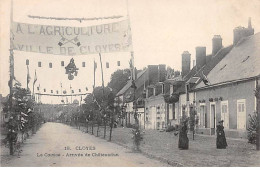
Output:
x,y
77,19
62,95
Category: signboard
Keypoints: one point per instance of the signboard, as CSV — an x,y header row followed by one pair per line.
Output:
x,y
63,40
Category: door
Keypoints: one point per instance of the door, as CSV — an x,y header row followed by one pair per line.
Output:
x,y
213,118
241,114
202,116
225,114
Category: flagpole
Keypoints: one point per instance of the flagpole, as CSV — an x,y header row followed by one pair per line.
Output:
x,y
100,58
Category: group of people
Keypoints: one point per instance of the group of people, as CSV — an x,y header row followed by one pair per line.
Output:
x,y
221,142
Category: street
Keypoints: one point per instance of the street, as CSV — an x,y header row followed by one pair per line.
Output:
x,y
56,144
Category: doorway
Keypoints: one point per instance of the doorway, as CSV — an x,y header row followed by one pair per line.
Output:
x,y
212,118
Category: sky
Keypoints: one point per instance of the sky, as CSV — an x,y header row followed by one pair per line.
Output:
x,y
161,31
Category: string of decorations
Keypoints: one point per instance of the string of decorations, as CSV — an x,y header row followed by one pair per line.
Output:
x,y
61,94
77,19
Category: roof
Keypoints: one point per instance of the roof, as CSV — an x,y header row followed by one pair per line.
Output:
x,y
241,62
129,83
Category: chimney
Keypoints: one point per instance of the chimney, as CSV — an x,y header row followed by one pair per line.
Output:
x,y
200,57
162,72
241,32
185,68
216,44
153,77
249,23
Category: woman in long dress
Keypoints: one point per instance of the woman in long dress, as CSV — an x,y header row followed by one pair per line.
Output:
x,y
221,138
183,138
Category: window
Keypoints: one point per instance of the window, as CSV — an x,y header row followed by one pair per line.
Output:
x,y
27,62
79,90
83,64
62,63
51,91
107,64
39,64
118,63
50,65
44,90
72,91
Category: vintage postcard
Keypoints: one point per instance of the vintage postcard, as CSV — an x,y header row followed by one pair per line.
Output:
x,y
130,83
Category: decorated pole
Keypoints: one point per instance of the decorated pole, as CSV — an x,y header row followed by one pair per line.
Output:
x,y
11,62
257,95
103,90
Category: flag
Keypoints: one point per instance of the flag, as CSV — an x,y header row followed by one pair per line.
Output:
x,y
95,67
28,77
17,83
35,78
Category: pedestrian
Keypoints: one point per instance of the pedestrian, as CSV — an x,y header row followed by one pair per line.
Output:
x,y
221,138
183,138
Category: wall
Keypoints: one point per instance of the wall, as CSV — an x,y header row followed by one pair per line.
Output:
x,y
152,117
230,93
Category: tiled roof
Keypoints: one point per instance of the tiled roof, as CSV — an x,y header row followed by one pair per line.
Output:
x,y
129,83
241,62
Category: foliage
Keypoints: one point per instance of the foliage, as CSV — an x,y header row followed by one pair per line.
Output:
x,y
171,98
192,119
251,130
170,128
119,79
22,115
171,73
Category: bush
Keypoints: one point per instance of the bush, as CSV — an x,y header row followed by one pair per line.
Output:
x,y
170,128
251,130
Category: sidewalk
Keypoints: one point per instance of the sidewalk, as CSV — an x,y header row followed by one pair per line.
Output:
x,y
202,151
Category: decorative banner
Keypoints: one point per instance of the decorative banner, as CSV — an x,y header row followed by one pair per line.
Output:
x,y
63,40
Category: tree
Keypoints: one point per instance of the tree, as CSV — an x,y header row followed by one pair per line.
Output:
x,y
257,95
22,116
252,128
119,79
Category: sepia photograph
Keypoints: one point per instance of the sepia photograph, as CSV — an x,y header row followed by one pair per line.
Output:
x,y
130,83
